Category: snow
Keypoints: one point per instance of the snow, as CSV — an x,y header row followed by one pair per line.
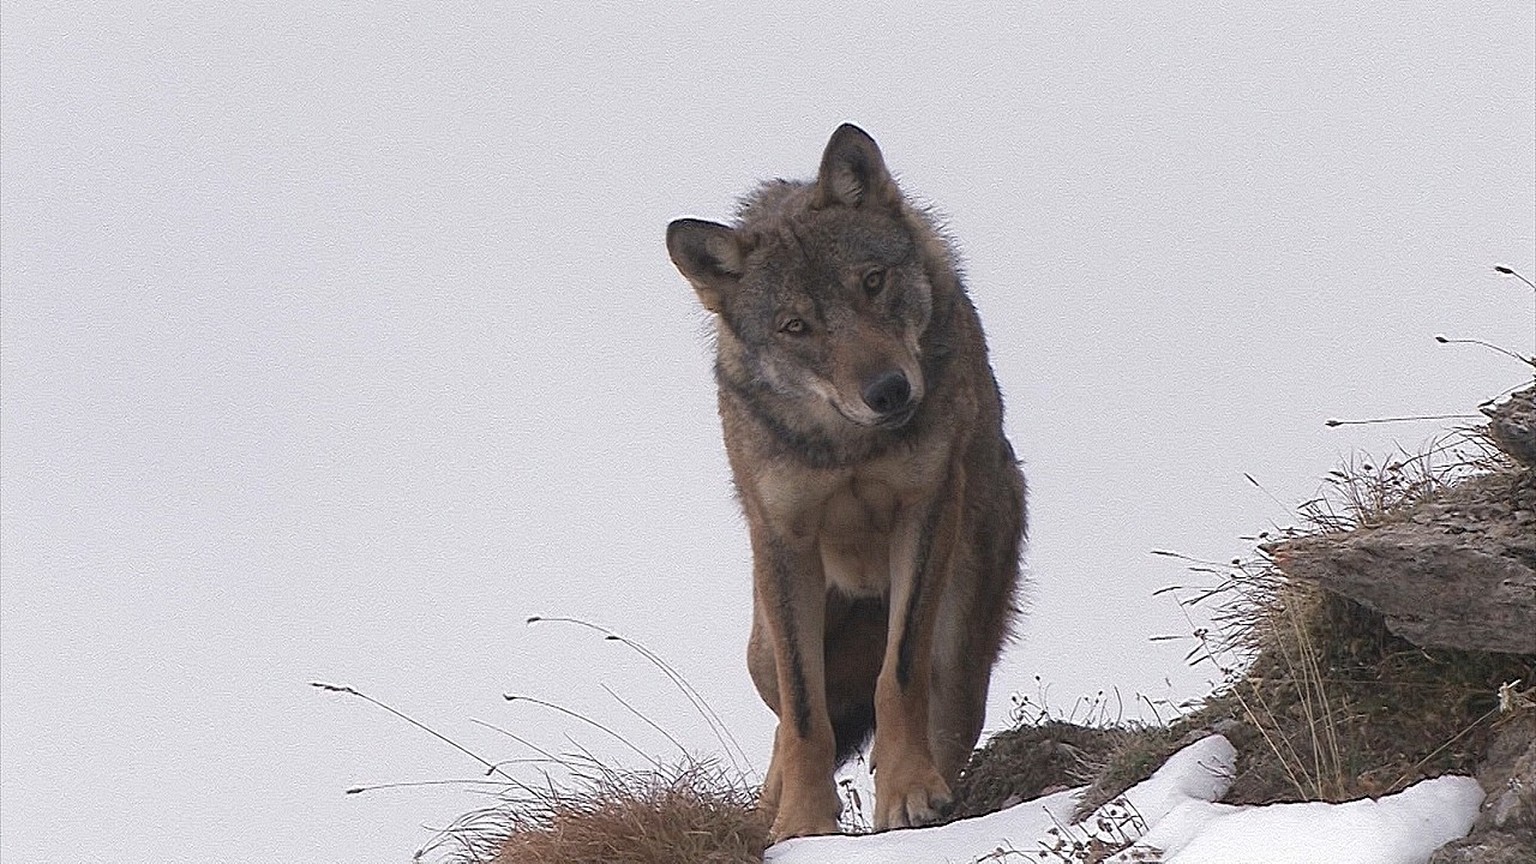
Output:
x,y
965,840
1173,819
1397,829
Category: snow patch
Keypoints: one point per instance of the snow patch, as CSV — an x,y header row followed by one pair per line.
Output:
x,y
1181,824
1397,829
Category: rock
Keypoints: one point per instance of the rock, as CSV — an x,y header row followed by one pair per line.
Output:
x,y
1493,848
1457,571
1509,777
1505,830
1512,426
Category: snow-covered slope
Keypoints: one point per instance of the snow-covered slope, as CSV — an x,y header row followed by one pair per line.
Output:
x,y
1174,820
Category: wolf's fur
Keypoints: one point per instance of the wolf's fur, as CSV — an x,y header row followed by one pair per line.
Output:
x,y
885,507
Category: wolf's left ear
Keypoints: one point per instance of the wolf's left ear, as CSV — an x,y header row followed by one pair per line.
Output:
x,y
853,172
710,257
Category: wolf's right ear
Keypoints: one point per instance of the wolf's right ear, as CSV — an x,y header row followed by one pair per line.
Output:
x,y
853,173
709,255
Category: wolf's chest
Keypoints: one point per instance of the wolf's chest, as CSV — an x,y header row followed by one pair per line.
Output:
x,y
855,538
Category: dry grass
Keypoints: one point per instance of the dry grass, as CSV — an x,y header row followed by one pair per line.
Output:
x,y
695,812
1366,492
1336,707
1029,761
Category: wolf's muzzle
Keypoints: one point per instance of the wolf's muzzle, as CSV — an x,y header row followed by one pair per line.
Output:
x,y
888,394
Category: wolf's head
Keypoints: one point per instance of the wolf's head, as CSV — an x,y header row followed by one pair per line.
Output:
x,y
822,291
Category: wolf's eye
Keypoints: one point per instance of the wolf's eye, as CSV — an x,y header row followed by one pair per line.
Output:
x,y
792,326
874,280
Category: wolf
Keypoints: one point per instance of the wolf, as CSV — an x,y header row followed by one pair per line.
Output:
x,y
885,508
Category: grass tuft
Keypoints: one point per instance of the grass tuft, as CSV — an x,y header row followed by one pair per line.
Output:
x,y
695,811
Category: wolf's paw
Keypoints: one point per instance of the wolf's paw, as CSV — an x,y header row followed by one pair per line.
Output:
x,y
801,823
909,796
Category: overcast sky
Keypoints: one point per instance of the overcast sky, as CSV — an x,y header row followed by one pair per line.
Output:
x,y
337,339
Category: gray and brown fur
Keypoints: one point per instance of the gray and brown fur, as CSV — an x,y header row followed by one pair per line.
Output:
x,y
885,507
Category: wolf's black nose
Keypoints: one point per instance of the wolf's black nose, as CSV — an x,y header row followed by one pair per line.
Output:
x,y
888,393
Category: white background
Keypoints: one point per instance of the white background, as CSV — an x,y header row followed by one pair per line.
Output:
x,y
340,338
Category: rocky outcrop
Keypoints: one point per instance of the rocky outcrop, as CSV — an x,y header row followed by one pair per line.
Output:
x,y
1459,571
1455,571
1512,426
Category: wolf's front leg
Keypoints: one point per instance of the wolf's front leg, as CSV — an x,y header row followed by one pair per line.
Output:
x,y
909,790
790,596
799,792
